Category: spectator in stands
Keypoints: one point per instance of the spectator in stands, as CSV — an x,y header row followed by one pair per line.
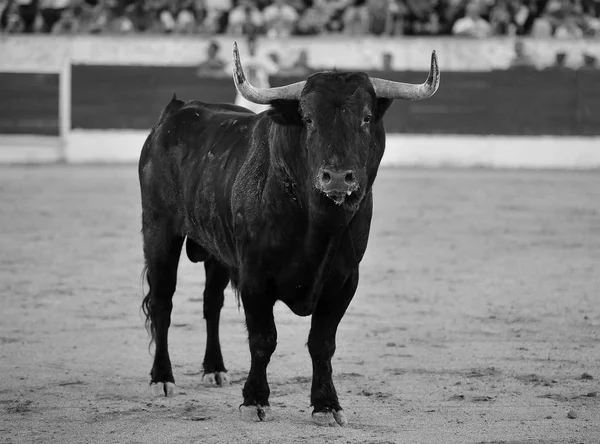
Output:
x,y
28,10
472,24
449,12
477,18
144,16
299,67
592,23
521,59
217,15
302,61
419,15
185,17
543,26
280,19
356,18
69,21
524,16
432,26
179,16
387,60
50,11
10,20
201,16
395,23
312,21
114,20
378,11
569,29
501,19
214,65
245,19
166,16
274,57
83,17
298,5
334,11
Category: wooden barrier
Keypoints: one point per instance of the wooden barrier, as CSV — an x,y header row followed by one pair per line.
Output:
x,y
519,102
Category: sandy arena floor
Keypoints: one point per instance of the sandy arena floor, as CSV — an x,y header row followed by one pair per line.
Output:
x,y
477,318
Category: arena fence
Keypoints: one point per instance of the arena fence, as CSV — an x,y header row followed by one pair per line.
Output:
x,y
94,98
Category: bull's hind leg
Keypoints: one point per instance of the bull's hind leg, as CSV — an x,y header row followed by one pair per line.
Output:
x,y
217,278
162,258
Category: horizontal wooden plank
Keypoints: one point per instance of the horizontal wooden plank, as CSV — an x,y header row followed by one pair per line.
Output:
x,y
512,102
29,104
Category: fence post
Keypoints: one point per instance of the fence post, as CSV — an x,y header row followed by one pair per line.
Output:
x,y
64,106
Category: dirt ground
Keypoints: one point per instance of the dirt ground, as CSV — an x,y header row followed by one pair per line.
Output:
x,y
477,318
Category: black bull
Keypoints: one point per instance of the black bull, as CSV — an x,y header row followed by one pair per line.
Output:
x,y
278,203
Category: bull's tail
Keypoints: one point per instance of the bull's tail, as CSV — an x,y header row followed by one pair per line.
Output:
x,y
146,307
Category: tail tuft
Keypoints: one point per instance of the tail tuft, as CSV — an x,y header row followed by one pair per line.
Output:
x,y
146,307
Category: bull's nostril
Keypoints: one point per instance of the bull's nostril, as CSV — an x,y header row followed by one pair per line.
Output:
x,y
349,177
326,177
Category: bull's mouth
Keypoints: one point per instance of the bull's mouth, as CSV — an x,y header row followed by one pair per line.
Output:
x,y
348,199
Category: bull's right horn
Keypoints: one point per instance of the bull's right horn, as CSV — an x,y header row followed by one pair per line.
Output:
x,y
262,96
408,91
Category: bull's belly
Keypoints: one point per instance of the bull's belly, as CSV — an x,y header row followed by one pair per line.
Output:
x,y
285,269
301,290
300,304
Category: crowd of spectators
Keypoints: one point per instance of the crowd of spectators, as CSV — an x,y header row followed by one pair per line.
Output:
x,y
277,18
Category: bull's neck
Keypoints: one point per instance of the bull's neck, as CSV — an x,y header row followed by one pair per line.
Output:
x,y
319,224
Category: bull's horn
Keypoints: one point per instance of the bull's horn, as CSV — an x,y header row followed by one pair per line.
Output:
x,y
262,96
408,91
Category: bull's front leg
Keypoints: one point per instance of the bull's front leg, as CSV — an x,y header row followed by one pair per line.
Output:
x,y
262,338
321,346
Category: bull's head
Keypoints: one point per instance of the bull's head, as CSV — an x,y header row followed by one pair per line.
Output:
x,y
340,116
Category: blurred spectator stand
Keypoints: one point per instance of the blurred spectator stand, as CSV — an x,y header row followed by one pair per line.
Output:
x,y
521,59
245,19
214,65
280,19
472,24
567,19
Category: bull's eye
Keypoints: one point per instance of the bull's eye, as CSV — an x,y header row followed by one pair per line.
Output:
x,y
367,119
308,120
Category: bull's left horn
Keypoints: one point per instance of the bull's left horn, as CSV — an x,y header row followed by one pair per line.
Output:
x,y
262,96
409,91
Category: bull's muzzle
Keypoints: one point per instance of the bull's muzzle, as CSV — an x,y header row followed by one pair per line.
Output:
x,y
337,184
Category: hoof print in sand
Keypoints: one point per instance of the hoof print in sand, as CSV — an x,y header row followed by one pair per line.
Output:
x,y
330,419
255,413
216,378
162,388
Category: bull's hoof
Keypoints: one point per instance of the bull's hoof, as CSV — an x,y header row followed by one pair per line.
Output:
x,y
255,413
162,388
330,419
216,378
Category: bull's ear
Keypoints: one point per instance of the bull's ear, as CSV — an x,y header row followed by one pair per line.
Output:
x,y
285,112
382,107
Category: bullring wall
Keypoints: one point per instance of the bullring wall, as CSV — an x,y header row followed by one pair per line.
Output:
x,y
482,112
510,103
